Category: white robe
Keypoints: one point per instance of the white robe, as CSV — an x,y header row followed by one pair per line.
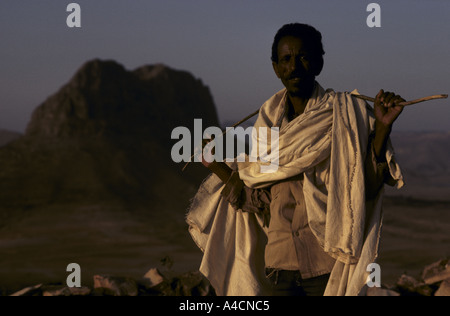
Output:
x,y
335,126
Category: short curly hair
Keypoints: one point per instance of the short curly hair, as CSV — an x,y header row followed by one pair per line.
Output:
x,y
308,34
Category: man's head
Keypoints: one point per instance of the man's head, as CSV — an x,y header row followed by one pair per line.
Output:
x,y
297,57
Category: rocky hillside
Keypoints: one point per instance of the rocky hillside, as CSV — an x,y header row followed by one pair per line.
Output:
x,y
92,179
104,136
7,137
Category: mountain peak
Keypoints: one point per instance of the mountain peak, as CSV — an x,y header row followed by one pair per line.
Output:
x,y
94,71
106,135
149,72
105,98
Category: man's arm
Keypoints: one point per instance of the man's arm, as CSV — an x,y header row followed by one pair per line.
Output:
x,y
387,110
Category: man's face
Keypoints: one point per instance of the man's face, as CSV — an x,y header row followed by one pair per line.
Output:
x,y
297,67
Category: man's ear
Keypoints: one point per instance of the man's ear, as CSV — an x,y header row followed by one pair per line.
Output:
x,y
275,68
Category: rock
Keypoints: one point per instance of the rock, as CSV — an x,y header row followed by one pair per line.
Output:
x,y
192,284
152,284
444,289
188,284
379,291
115,286
408,285
66,291
154,277
436,272
29,291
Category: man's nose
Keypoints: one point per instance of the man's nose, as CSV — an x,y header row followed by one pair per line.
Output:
x,y
296,64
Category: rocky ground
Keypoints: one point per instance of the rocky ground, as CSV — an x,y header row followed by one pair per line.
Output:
x,y
153,283
435,281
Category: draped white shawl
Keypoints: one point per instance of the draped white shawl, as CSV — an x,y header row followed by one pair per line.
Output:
x,y
335,126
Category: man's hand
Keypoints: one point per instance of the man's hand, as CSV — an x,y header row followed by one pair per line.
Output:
x,y
387,108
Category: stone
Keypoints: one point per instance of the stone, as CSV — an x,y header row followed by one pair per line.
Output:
x,y
29,291
66,291
444,289
115,286
154,277
436,272
378,291
408,285
80,291
192,284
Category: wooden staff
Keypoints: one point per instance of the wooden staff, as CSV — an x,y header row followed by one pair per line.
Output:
x,y
359,96
433,97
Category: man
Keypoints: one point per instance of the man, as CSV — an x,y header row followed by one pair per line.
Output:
x,y
319,215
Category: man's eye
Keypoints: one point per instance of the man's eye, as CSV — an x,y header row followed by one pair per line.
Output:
x,y
302,58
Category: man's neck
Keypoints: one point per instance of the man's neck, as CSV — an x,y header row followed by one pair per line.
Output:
x,y
297,103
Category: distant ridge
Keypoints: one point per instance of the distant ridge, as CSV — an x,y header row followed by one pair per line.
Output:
x,y
424,158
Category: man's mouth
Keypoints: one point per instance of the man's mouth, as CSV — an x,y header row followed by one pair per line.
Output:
x,y
295,79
